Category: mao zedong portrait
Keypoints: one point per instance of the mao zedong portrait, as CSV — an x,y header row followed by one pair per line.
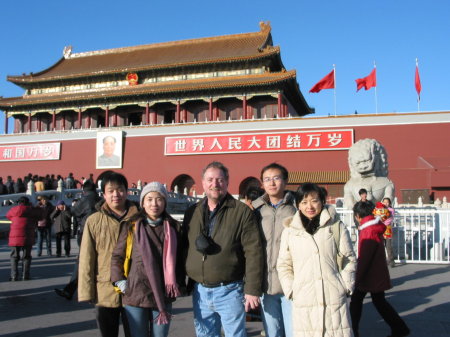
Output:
x,y
108,158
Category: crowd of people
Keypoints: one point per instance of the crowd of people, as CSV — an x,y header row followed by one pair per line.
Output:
x,y
284,253
40,183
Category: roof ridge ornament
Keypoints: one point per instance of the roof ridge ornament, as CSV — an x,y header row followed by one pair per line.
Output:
x,y
264,26
67,51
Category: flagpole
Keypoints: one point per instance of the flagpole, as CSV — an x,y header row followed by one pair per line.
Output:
x,y
376,97
418,95
334,73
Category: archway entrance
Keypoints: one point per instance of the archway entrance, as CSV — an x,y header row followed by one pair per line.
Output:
x,y
247,183
183,182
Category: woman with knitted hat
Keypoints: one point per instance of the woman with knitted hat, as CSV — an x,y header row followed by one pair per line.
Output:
x,y
155,274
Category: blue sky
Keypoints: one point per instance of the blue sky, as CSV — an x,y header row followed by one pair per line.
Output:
x,y
313,35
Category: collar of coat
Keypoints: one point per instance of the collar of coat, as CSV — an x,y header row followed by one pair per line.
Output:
x,y
265,200
328,213
368,221
102,207
227,201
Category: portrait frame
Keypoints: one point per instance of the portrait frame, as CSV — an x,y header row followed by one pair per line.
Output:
x,y
109,149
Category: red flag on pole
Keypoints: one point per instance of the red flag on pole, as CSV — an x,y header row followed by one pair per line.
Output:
x,y
325,83
417,81
368,81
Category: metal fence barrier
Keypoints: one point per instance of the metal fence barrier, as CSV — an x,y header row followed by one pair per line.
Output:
x,y
419,235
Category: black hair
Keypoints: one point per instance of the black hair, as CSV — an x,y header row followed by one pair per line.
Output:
x,y
363,208
23,201
253,193
217,165
388,199
307,188
362,191
275,166
114,178
89,186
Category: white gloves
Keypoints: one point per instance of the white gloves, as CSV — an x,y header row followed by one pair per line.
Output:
x,y
122,285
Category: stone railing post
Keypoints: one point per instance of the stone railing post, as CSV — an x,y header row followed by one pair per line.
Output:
x,y
420,202
30,188
60,187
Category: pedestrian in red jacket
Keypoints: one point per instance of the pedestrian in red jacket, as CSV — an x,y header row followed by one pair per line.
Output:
x,y
372,274
24,220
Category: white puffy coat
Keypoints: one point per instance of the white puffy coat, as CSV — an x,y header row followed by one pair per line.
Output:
x,y
309,275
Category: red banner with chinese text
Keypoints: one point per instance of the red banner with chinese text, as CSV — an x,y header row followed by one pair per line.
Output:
x,y
26,152
260,142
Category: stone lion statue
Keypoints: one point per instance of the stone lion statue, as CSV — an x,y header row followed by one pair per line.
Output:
x,y
367,160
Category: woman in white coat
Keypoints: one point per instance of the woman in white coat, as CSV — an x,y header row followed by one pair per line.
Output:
x,y
308,269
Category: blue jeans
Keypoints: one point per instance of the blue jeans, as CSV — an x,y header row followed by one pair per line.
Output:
x,y
141,324
277,315
44,234
219,306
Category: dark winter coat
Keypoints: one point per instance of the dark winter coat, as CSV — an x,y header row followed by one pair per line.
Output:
x,y
62,220
372,274
85,207
139,292
46,221
238,254
23,224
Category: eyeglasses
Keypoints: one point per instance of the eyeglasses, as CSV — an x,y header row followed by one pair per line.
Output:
x,y
274,178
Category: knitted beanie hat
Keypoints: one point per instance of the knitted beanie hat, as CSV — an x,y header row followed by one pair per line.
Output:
x,y
154,186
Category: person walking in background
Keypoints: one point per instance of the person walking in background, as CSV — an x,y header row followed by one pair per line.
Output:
x,y
80,211
251,194
62,219
9,184
224,257
19,186
372,274
24,219
154,273
309,269
39,184
272,208
388,232
100,235
44,229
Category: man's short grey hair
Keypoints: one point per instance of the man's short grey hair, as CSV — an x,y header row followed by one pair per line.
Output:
x,y
217,165
113,138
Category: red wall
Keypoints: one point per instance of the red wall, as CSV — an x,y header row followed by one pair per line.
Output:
x,y
144,158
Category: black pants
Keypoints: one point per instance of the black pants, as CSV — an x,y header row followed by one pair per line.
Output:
x,y
108,320
386,311
72,286
62,236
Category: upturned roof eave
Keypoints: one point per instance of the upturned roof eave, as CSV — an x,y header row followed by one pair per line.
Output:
x,y
28,79
15,102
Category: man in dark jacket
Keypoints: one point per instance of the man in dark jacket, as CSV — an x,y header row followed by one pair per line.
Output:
x,y
61,218
44,229
223,247
82,210
85,206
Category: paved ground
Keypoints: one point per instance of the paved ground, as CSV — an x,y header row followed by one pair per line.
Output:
x,y
30,308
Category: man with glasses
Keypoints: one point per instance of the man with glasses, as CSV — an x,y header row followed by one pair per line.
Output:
x,y
272,208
